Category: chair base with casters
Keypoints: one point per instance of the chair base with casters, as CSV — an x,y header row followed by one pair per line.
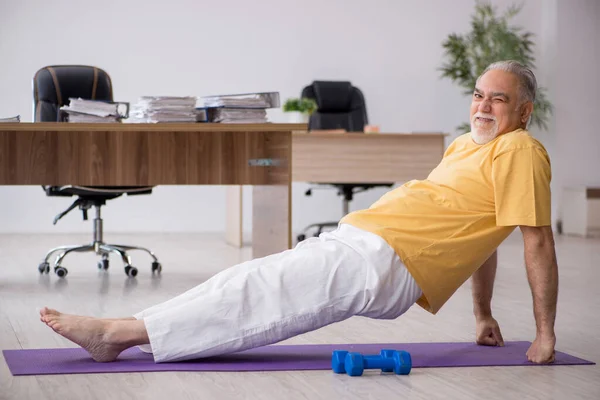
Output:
x,y
347,190
87,198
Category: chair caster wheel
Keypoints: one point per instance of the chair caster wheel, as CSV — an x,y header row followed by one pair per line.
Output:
x,y
60,271
156,267
301,237
103,264
44,268
131,271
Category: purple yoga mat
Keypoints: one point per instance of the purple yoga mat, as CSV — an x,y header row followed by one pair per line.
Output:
x,y
274,358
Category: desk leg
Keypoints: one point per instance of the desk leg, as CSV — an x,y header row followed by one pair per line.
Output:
x,y
271,220
233,227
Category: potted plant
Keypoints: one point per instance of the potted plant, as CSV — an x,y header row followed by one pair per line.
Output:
x,y
299,110
491,39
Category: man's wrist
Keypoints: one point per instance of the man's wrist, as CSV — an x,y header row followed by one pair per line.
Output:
x,y
481,312
546,334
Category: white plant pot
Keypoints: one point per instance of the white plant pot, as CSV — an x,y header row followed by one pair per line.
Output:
x,y
296,117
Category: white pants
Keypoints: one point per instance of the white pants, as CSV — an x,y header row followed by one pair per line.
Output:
x,y
322,280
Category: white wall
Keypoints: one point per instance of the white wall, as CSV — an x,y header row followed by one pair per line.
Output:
x,y
577,85
390,49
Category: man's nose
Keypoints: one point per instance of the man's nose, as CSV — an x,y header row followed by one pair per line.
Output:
x,y
485,106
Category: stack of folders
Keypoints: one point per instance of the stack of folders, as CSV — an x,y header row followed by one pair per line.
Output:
x,y
16,118
154,109
94,111
244,108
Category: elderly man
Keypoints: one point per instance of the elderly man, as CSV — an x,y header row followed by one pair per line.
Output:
x,y
417,244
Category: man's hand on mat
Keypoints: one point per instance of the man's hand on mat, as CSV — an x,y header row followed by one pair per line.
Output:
x,y
488,332
541,350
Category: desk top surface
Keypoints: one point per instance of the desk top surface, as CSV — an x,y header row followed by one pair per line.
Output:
x,y
298,130
367,136
162,127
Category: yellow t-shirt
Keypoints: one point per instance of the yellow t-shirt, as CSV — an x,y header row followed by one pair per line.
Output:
x,y
445,227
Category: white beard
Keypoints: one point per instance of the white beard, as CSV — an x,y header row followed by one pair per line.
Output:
x,y
483,134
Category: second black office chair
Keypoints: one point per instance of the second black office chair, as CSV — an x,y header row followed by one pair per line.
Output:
x,y
340,105
52,88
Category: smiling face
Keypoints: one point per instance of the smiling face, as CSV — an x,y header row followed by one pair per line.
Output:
x,y
497,107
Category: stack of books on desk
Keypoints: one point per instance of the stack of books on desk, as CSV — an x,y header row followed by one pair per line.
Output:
x,y
16,118
237,115
94,111
244,100
154,109
245,108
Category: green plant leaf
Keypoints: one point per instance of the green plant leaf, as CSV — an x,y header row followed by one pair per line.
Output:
x,y
304,105
463,128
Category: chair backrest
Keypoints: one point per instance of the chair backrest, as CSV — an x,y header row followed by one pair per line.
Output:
x,y
54,85
339,106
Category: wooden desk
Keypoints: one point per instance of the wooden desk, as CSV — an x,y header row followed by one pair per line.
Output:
x,y
368,158
161,154
350,158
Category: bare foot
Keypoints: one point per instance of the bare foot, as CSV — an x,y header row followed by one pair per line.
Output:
x,y
96,335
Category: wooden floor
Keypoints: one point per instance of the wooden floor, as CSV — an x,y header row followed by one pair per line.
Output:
x,y
191,259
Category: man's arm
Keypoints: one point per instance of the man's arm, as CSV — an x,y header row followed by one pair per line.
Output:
x,y
487,329
542,273
483,287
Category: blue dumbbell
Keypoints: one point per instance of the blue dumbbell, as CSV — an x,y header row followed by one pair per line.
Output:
x,y
388,354
338,358
354,364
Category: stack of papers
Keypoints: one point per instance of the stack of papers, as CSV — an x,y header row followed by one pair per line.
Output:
x,y
245,100
247,108
95,111
153,109
231,108
237,115
16,118
75,117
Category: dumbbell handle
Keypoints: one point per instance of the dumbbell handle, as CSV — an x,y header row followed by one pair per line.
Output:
x,y
378,362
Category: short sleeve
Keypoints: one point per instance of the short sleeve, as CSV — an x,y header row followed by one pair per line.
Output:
x,y
521,179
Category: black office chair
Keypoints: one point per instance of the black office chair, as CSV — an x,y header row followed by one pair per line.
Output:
x,y
52,88
339,106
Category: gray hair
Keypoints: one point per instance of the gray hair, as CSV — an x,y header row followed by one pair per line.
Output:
x,y
528,83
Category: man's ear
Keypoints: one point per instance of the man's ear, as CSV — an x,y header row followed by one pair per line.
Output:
x,y
526,111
